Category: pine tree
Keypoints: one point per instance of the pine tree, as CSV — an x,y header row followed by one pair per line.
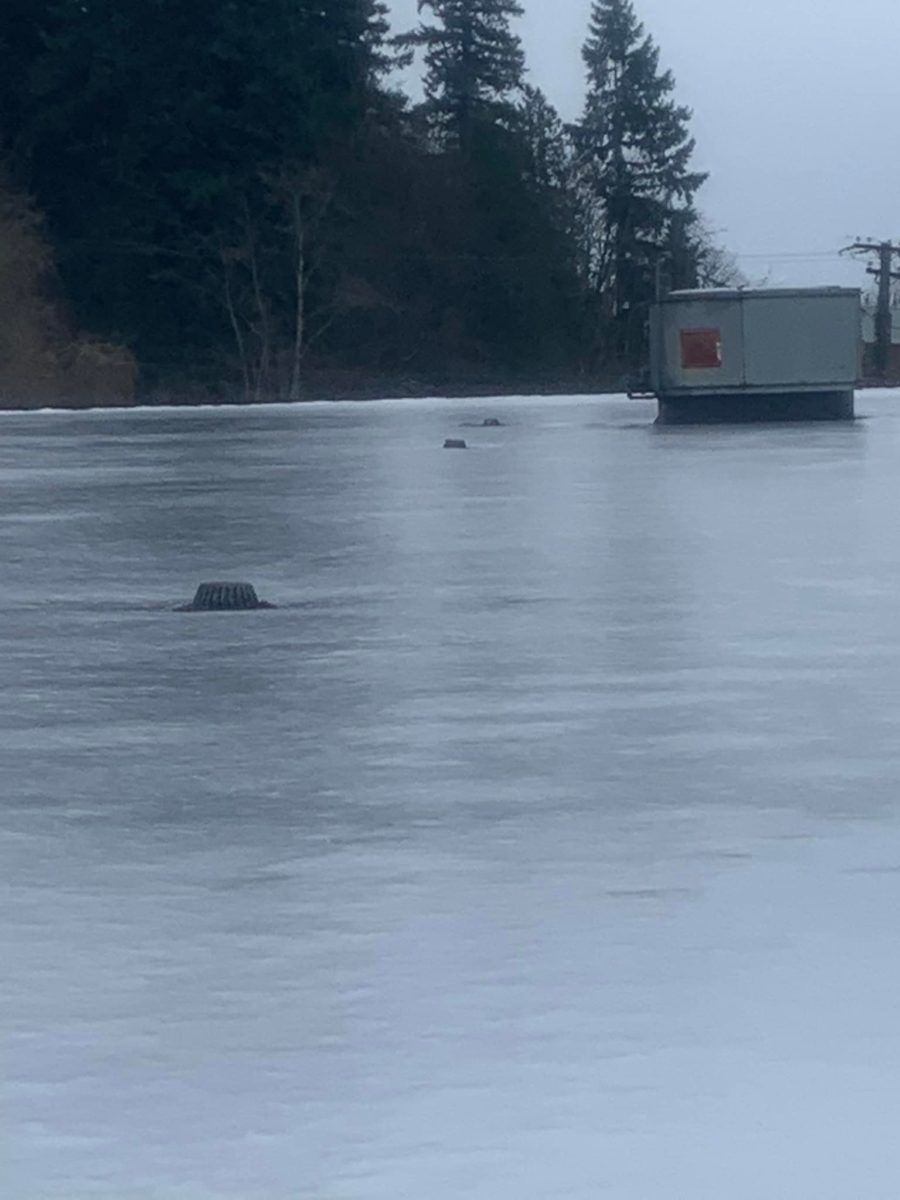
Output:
x,y
545,138
634,153
474,65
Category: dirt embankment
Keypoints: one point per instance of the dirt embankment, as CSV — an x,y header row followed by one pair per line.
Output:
x,y
43,361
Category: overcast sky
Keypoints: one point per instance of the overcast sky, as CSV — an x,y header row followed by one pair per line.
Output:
x,y
795,109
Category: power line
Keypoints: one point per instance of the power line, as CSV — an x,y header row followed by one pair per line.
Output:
x,y
792,255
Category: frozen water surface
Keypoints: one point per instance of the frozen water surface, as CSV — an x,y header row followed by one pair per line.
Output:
x,y
544,843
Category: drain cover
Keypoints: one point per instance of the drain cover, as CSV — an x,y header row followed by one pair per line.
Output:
x,y
225,597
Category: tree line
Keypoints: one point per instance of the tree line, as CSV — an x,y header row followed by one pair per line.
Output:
x,y
238,194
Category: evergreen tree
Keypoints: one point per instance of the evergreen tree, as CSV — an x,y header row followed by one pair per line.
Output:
x,y
549,158
634,153
501,277
474,65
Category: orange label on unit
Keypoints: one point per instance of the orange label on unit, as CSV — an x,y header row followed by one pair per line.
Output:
x,y
701,349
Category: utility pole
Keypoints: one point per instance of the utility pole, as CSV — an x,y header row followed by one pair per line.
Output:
x,y
883,318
